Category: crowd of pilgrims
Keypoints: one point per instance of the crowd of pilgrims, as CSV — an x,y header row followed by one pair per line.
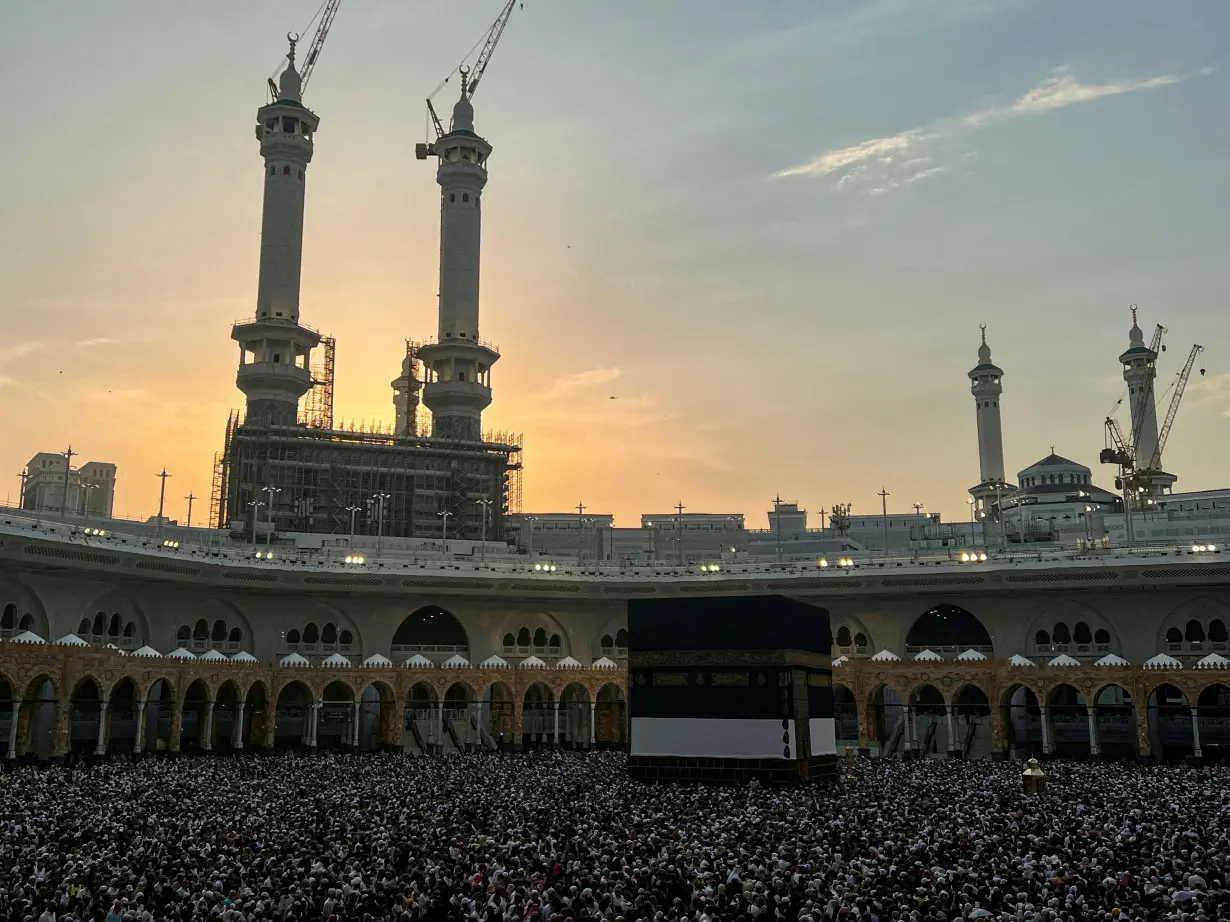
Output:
x,y
567,837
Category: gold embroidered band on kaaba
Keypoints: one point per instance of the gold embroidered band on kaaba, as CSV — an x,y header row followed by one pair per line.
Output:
x,y
747,659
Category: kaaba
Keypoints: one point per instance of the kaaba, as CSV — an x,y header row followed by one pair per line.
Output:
x,y
727,690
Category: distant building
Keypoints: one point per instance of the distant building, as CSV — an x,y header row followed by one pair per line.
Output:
x,y
91,487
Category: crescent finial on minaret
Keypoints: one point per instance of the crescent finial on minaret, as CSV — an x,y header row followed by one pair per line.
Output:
x,y
983,328
1133,315
293,38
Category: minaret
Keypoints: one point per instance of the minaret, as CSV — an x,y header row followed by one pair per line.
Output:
x,y
457,366
985,384
1139,371
274,350
406,388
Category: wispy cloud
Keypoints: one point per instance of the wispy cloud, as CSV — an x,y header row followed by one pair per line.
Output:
x,y
890,162
97,341
580,380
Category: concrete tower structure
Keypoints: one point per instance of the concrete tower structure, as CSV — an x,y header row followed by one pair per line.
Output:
x,y
457,366
274,349
986,385
406,387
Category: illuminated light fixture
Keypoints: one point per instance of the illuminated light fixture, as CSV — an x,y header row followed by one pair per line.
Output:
x,y
822,563
264,555
982,556
710,568
170,544
357,559
964,557
845,562
545,568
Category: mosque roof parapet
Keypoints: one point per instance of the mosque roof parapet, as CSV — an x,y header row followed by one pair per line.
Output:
x,y
569,662
1112,659
418,661
886,656
456,661
970,656
294,659
147,652
213,656
531,662
1063,659
928,656
377,661
605,662
336,661
181,653
495,661
71,640
243,656
1021,661
28,637
1162,661
1213,661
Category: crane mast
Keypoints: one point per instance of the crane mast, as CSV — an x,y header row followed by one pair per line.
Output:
x,y
471,77
326,13
1155,463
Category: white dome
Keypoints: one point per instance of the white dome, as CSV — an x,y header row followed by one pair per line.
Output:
x,y
886,656
1213,661
1112,659
928,656
180,653
376,661
456,661
28,637
531,662
294,659
568,663
1018,660
71,640
147,651
605,662
1162,661
970,656
243,656
463,115
1064,660
419,661
840,661
212,656
494,662
336,660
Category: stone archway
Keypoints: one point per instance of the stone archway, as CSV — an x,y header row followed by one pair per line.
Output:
x,y
421,704
1115,723
462,730
926,721
886,729
611,717
380,719
197,717
36,724
1172,731
971,732
336,719
1069,721
292,716
1213,721
1023,727
158,719
538,717
501,714
845,717
430,631
575,718
87,722
948,630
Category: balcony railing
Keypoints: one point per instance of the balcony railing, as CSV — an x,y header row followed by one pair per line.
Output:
x,y
1072,649
948,650
1196,647
860,649
204,645
437,653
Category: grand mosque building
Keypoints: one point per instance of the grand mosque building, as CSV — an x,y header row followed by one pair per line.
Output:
x,y
1068,616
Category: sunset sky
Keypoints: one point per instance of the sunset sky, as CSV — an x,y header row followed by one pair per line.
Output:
x,y
770,229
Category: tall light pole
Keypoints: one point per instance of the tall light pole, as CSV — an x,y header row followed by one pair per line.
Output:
x,y
973,540
353,510
823,513
379,499
485,503
162,499
580,533
777,521
679,533
85,502
529,546
255,504
444,529
918,524
21,500
68,461
190,497
270,491
884,495
999,518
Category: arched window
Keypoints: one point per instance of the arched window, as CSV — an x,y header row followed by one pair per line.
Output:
x,y
286,171
100,624
27,622
465,196
1042,639
607,642
1194,632
1217,631
130,630
219,632
1081,633
201,631
509,641
329,634
116,627
1061,634
540,638
311,633
8,620
183,635
236,635
843,636
84,628
292,638
1174,635
554,643
1101,636
345,638
860,640
273,171
523,637
621,637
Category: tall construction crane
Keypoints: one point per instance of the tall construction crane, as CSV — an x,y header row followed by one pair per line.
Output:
x,y
325,14
470,76
1155,463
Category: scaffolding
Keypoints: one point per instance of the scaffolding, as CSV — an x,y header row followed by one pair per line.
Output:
x,y
318,407
406,389
325,479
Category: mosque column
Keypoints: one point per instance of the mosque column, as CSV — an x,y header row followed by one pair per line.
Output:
x,y
952,733
237,729
354,731
909,727
555,724
59,740
1195,734
1094,749
177,723
440,724
593,723
103,717
1145,750
23,729
138,743
207,729
866,728
314,724
518,727
15,720
1047,746
399,735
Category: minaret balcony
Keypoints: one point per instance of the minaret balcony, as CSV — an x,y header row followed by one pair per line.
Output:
x,y
444,397
459,347
273,376
282,328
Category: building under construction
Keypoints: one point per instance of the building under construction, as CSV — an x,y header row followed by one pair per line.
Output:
x,y
288,468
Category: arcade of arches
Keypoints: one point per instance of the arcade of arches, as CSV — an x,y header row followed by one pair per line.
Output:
x,y
57,700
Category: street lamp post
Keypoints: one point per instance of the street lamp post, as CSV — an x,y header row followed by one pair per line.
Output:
x,y
679,535
353,510
444,529
270,491
777,520
580,533
162,499
190,497
21,499
999,518
529,547
68,461
255,504
485,503
918,524
973,540
379,499
85,499
884,495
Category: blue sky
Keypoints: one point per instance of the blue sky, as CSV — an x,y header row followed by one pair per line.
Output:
x,y
769,229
